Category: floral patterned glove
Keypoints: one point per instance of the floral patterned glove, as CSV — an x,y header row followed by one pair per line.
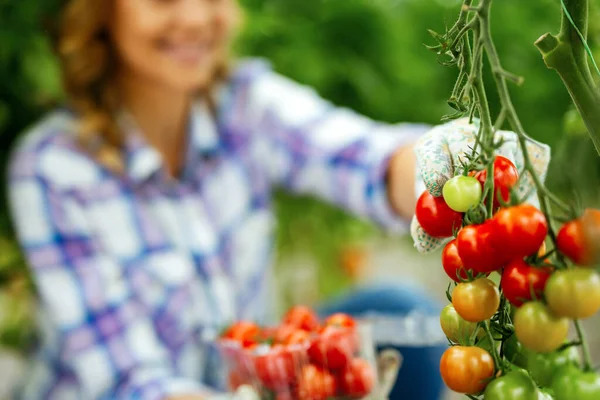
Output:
x,y
439,151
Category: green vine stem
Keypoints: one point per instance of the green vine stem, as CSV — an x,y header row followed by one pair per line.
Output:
x,y
566,54
587,360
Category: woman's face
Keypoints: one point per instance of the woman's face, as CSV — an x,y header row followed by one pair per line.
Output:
x,y
176,44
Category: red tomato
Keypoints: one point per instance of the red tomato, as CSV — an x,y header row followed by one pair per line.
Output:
x,y
575,238
452,263
506,177
341,320
244,332
358,379
316,383
298,337
302,317
475,249
435,217
522,282
519,231
277,368
333,348
238,378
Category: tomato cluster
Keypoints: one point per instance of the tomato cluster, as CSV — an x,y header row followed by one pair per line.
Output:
x,y
509,339
302,358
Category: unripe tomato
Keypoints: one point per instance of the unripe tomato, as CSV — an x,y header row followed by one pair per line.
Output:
x,y
506,177
477,300
522,282
519,231
538,329
454,326
515,385
435,217
571,383
543,366
574,293
462,193
466,369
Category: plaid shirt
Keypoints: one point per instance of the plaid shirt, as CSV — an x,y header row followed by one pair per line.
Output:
x,y
135,272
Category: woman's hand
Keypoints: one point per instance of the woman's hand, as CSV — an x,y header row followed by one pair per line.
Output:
x,y
442,148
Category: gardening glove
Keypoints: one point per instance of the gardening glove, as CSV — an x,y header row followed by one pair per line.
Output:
x,y
439,152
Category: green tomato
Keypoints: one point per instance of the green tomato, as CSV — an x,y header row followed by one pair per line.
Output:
x,y
573,293
538,329
543,395
542,367
455,327
570,383
515,385
515,352
462,193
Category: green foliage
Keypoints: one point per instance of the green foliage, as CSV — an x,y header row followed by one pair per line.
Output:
x,y
365,54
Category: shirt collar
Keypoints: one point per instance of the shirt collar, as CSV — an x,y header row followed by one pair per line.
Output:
x,y
142,160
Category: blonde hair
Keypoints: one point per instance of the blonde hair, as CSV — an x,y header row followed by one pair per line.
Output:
x,y
88,63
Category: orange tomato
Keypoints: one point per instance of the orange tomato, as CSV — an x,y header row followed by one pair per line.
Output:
x,y
466,370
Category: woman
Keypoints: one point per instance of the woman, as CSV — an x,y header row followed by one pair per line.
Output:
x,y
144,208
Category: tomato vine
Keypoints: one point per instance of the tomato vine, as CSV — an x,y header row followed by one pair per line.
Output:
x,y
465,46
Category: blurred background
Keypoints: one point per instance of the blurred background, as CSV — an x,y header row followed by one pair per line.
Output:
x,y
365,54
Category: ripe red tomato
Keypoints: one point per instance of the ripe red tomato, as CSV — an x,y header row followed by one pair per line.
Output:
x,y
333,348
358,379
475,248
506,177
519,231
435,217
316,383
340,320
466,369
298,337
238,378
522,282
452,263
277,368
302,317
576,240
244,332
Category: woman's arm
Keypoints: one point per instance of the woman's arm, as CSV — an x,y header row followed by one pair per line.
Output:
x,y
310,146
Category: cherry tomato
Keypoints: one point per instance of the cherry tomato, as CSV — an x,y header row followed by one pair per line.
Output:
x,y
455,327
302,317
574,293
244,332
462,193
283,332
316,383
358,379
435,217
506,177
333,348
538,329
577,239
299,336
522,282
543,366
477,300
572,383
475,248
515,385
340,320
276,369
452,263
466,369
519,231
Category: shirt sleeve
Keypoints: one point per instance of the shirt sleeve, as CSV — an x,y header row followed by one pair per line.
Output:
x,y
310,146
104,336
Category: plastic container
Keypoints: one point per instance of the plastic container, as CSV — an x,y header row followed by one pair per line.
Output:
x,y
332,363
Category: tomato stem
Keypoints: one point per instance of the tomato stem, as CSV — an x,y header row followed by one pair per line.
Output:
x,y
495,356
585,348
